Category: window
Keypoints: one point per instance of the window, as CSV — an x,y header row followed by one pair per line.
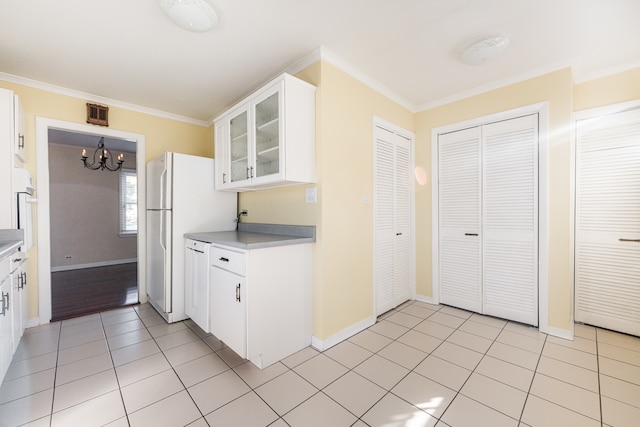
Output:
x,y
128,201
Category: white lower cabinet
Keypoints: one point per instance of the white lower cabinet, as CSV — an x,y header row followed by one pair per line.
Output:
x,y
6,325
261,300
228,309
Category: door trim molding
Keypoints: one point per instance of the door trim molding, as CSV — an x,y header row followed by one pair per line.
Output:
x,y
380,122
543,285
43,124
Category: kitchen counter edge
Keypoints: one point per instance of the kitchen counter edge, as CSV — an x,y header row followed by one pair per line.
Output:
x,y
256,236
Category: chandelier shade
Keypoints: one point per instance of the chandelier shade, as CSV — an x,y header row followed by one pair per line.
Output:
x,y
102,159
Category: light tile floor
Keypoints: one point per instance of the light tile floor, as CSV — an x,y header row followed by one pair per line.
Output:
x,y
419,365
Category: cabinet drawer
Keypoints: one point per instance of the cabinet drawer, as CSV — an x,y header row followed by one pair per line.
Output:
x,y
229,260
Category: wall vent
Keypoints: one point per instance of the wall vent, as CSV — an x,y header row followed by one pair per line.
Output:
x,y
97,114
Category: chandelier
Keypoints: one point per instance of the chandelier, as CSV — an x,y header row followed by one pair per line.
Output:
x,y
104,160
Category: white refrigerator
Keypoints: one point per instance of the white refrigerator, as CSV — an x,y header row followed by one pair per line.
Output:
x,y
180,199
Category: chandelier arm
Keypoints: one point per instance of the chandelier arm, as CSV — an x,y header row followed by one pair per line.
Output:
x,y
105,159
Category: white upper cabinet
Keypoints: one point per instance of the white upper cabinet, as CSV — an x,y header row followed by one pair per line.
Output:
x,y
19,148
12,151
268,139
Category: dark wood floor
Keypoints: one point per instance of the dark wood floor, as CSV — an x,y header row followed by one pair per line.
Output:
x,y
79,292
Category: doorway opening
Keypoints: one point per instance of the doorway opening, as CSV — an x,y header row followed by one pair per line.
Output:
x,y
54,257
93,228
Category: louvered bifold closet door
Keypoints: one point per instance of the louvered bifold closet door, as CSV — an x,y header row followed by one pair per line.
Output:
x,y
459,204
510,219
402,214
608,222
392,219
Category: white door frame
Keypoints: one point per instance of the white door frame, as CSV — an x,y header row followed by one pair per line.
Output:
x,y
543,283
379,122
43,124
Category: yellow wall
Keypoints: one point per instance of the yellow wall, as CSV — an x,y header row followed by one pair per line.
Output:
x,y
343,269
621,87
161,135
342,283
555,88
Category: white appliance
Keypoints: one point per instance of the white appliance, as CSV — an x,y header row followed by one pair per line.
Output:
x,y
24,189
197,292
180,199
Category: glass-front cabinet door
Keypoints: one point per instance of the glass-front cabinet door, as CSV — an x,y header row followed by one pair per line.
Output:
x,y
267,136
267,140
239,147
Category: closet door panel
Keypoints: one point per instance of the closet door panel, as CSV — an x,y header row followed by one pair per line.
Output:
x,y
510,220
392,219
384,221
608,222
460,260
402,209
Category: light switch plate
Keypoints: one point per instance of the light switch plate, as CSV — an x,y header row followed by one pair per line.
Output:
x,y
310,195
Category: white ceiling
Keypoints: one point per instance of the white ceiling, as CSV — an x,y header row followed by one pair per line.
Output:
x,y
129,51
90,142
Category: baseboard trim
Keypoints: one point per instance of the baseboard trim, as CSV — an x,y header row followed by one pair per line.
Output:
x,y
344,334
33,322
93,264
423,298
567,334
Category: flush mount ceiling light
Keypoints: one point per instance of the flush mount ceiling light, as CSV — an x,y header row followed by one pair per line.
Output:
x,y
484,50
192,15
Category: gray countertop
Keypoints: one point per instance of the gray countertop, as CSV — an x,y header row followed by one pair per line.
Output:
x,y
255,236
10,240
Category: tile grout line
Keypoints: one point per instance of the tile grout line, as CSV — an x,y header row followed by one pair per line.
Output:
x,y
533,377
598,373
115,372
172,368
459,392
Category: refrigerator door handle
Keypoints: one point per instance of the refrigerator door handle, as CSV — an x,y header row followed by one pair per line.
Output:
x,y
163,188
163,231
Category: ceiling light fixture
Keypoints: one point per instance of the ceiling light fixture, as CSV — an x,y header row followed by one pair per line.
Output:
x,y
192,15
102,161
484,50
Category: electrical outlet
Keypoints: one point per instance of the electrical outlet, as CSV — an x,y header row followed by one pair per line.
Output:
x,y
310,195
244,212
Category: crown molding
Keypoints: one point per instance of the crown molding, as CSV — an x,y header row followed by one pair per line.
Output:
x,y
605,72
324,54
23,81
494,85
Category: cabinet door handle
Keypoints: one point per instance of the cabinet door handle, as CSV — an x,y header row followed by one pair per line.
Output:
x,y
238,292
248,173
23,280
629,240
223,259
224,177
17,260
21,141
5,303
470,234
